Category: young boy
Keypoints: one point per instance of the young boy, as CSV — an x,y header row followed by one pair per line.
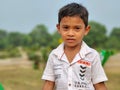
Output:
x,y
73,65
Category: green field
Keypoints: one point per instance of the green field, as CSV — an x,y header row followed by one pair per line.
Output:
x,y
17,77
21,78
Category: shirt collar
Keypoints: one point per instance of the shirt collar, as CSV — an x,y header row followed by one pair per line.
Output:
x,y
85,49
59,51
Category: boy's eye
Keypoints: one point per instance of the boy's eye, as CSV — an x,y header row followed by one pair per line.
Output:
x,y
65,27
77,28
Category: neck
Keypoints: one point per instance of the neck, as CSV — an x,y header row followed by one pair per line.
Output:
x,y
74,48
71,52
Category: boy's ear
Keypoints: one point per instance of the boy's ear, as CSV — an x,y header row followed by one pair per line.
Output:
x,y
58,27
87,29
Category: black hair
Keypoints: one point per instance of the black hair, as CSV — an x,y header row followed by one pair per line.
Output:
x,y
74,9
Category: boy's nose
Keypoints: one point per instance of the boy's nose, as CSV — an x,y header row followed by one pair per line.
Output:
x,y
71,32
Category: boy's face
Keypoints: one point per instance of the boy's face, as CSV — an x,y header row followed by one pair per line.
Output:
x,y
72,30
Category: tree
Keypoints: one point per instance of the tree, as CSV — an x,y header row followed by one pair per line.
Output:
x,y
55,39
113,41
96,38
27,40
40,36
3,42
3,34
15,39
115,33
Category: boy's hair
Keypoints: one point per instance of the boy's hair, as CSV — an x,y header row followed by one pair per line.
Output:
x,y
74,9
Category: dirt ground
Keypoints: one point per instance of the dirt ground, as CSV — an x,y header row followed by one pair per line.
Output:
x,y
113,64
113,73
10,63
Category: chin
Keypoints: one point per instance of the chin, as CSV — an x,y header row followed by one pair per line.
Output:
x,y
71,45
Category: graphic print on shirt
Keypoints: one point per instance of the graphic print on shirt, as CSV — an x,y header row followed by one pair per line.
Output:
x,y
83,66
82,72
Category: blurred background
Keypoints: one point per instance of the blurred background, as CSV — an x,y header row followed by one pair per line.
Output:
x,y
28,34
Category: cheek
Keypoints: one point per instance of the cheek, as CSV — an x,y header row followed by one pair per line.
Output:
x,y
80,36
83,33
63,34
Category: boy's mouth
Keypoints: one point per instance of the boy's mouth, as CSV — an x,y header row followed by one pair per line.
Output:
x,y
70,40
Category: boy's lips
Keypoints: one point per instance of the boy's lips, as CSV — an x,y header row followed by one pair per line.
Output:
x,y
70,40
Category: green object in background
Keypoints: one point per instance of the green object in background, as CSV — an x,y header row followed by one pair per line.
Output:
x,y
105,55
1,87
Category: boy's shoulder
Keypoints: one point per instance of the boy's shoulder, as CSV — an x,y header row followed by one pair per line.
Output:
x,y
58,50
88,50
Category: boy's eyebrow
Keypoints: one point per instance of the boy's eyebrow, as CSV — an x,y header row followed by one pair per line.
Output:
x,y
65,25
78,25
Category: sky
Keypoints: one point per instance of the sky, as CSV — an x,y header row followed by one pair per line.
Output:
x,y
24,15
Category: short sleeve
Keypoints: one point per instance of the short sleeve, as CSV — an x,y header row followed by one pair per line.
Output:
x,y
48,73
98,74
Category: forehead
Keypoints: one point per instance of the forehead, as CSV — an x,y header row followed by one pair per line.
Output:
x,y
71,20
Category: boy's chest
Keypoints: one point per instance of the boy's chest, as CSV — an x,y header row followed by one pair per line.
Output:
x,y
76,74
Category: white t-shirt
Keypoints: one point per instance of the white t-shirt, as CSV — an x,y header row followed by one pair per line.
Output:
x,y
84,71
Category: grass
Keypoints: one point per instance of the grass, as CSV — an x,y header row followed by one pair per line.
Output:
x,y
21,78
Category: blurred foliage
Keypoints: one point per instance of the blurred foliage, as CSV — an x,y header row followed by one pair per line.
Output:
x,y
35,58
45,53
114,39
9,53
40,36
97,35
40,40
55,40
